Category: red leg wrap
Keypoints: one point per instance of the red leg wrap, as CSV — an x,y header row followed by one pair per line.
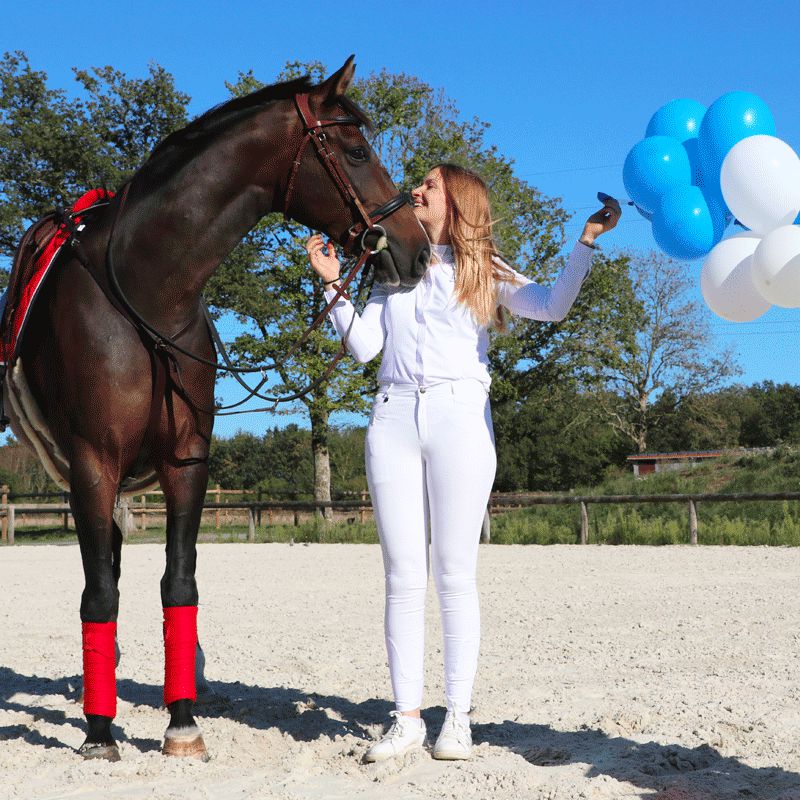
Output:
x,y
99,661
180,646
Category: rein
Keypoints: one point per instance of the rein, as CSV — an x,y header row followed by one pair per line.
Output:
x,y
313,131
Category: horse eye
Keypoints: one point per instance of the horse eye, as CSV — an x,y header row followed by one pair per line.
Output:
x,y
359,153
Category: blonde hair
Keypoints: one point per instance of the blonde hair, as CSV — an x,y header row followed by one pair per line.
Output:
x,y
469,226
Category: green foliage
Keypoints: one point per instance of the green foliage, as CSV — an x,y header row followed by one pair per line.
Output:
x,y
578,351
554,439
280,462
21,470
54,147
739,523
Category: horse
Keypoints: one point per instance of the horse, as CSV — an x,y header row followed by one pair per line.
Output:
x,y
121,406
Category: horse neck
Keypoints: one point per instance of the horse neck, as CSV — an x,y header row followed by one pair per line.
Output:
x,y
175,232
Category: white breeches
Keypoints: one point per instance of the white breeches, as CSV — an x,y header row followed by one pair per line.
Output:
x,y
431,462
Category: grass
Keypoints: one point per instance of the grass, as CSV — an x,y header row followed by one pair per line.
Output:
x,y
319,532
645,525
764,523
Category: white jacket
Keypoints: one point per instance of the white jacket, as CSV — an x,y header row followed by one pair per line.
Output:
x,y
428,337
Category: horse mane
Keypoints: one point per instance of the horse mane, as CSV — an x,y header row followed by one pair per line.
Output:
x,y
181,145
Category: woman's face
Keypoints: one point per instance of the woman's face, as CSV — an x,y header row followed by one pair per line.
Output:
x,y
430,202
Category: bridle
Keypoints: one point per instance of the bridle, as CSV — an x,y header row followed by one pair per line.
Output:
x,y
314,131
366,223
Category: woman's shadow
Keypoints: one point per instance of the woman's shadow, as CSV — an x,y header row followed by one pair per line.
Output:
x,y
672,770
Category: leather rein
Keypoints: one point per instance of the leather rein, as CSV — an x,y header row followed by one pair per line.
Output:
x,y
366,225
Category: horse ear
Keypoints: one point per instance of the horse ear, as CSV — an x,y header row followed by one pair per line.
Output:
x,y
334,87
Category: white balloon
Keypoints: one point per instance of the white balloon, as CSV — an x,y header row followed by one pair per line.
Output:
x,y
776,266
760,182
727,280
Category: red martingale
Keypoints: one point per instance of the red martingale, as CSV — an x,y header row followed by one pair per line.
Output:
x,y
180,645
99,661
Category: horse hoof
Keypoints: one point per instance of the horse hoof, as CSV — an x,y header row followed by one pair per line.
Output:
x,y
106,752
188,743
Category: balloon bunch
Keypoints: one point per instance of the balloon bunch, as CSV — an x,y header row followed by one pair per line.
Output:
x,y
698,167
747,273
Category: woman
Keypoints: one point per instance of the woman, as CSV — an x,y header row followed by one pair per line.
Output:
x,y
430,445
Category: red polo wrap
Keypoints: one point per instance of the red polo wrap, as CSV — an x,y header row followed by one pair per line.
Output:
x,y
99,661
180,646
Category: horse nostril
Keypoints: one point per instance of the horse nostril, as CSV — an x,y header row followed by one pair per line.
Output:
x,y
421,261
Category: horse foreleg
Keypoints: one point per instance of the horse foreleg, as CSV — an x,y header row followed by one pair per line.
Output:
x,y
184,489
92,501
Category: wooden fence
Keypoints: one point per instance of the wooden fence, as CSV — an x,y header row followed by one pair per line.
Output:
x,y
255,511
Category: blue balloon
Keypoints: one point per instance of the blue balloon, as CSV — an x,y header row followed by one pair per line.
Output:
x,y
729,119
797,221
712,193
679,119
685,225
654,166
646,214
692,150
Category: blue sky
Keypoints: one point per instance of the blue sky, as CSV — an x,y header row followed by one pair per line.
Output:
x,y
568,88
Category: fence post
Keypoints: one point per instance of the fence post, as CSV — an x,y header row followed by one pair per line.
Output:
x,y
124,521
218,499
11,523
486,527
584,523
65,500
251,524
4,498
258,510
692,522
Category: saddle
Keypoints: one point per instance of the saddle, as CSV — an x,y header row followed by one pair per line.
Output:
x,y
35,255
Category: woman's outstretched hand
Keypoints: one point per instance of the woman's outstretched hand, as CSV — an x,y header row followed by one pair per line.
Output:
x,y
601,221
326,266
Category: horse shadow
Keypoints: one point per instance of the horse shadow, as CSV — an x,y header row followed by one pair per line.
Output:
x,y
664,771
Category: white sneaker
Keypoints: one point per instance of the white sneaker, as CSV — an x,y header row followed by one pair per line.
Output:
x,y
404,735
455,740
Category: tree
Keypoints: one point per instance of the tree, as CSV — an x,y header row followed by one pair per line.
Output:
x,y
555,439
54,147
671,355
575,353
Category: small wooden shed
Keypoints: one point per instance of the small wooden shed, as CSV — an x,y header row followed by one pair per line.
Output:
x,y
649,463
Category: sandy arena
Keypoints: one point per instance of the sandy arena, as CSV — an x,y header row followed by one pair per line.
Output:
x,y
605,672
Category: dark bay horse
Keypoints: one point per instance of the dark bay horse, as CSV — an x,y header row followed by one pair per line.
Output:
x,y
119,407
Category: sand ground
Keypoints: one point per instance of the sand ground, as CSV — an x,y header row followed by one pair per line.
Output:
x,y
605,672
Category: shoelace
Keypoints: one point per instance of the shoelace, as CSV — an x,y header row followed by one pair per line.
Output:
x,y
398,726
461,731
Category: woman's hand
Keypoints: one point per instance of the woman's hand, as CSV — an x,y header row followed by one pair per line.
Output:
x,y
326,266
601,221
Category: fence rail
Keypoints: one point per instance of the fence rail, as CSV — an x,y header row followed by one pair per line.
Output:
x,y
126,512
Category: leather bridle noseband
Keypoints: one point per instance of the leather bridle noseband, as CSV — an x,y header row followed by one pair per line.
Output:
x,y
366,223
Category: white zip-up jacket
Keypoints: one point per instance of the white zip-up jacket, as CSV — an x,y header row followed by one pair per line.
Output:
x,y
428,337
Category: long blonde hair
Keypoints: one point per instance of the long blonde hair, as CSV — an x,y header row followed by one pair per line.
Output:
x,y
469,226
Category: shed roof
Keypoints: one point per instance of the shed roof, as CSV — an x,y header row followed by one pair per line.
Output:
x,y
685,455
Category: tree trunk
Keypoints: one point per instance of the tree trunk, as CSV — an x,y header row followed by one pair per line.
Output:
x,y
322,462
640,426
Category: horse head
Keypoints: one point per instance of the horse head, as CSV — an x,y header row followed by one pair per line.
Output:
x,y
346,191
